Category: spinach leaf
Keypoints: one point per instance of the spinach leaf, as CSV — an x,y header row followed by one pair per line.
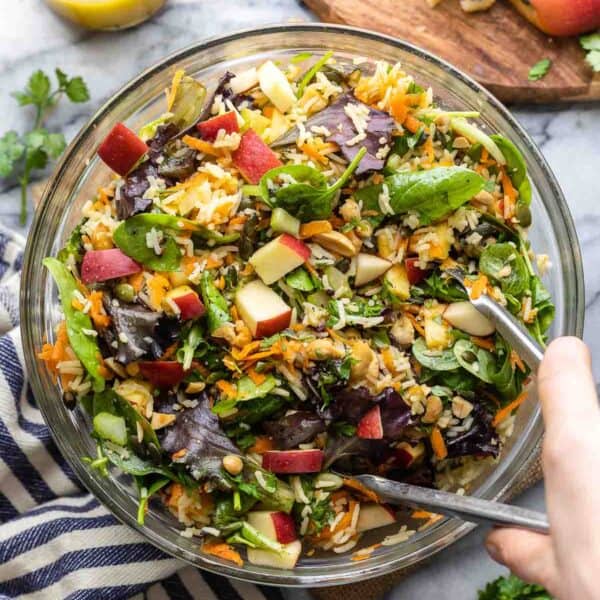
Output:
x,y
475,360
131,237
435,286
515,167
85,346
433,194
436,360
504,263
217,311
506,380
256,410
129,462
310,197
248,390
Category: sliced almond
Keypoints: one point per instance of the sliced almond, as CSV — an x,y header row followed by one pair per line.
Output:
x,y
337,242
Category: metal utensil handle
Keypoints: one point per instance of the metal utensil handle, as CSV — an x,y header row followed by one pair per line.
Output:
x,y
512,331
467,508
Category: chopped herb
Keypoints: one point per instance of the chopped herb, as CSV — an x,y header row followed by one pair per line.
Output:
x,y
540,69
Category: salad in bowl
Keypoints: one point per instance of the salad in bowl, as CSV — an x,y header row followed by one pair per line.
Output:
x,y
256,305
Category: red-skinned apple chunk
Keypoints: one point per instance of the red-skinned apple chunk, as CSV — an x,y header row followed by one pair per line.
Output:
x,y
210,128
286,559
561,17
370,426
373,516
280,256
121,149
162,373
293,461
263,311
275,525
253,157
101,265
187,300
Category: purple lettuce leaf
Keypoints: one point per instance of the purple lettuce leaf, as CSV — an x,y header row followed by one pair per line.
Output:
x,y
379,132
198,432
480,440
297,428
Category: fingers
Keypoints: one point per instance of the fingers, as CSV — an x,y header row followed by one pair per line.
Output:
x,y
566,385
528,555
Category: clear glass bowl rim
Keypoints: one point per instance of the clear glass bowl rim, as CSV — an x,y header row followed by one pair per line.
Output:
x,y
446,532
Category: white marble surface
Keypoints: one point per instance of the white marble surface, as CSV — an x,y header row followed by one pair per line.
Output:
x,y
32,37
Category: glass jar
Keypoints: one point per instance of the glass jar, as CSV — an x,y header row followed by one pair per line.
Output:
x,y
106,14
80,173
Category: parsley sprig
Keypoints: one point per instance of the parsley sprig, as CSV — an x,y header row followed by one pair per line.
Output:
x,y
22,154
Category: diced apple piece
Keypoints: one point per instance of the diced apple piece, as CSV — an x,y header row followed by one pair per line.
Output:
x,y
275,525
439,246
413,271
397,282
121,149
293,461
369,267
187,300
211,127
253,157
263,311
373,516
279,257
407,454
464,316
370,426
100,265
162,373
286,559
275,86
244,81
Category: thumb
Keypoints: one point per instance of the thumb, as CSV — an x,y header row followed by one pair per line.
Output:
x,y
528,555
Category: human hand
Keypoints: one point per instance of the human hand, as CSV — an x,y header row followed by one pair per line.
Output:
x,y
565,562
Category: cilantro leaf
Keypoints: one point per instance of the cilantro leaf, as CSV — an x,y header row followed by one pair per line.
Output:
x,y
77,90
590,41
11,150
540,69
37,90
513,588
61,77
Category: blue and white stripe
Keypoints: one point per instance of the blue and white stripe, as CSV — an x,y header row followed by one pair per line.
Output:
x,y
56,540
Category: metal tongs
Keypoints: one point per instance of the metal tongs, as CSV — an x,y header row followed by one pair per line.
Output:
x,y
469,508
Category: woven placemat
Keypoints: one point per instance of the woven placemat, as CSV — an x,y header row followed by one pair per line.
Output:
x,y
375,589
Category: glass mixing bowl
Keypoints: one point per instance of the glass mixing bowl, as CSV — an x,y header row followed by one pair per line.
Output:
x,y
80,173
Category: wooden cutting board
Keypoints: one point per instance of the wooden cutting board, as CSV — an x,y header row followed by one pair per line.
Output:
x,y
496,47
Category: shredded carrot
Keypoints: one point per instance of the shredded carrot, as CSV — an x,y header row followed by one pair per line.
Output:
x,y
314,228
227,388
421,514
158,286
484,343
346,519
257,378
261,445
312,152
245,351
477,287
505,412
224,551
52,354
136,281
99,317
365,552
170,351
515,361
412,124
438,444
398,107
507,186
268,111
220,283
416,324
485,155
201,145
179,454
359,487
238,220
177,77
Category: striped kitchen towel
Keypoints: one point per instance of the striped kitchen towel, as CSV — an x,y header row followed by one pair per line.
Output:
x,y
56,540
